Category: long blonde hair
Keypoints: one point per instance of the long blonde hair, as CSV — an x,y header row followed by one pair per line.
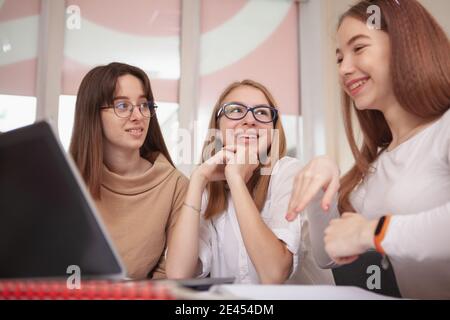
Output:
x,y
258,184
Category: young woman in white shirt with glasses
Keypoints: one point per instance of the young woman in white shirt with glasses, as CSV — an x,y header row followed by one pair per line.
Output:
x,y
232,224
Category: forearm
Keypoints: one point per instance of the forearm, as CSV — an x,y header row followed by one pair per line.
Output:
x,y
183,247
421,236
318,221
271,258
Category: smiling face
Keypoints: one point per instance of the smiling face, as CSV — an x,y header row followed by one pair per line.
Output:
x,y
247,131
125,134
363,57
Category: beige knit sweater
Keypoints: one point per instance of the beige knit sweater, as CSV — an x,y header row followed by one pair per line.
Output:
x,y
139,214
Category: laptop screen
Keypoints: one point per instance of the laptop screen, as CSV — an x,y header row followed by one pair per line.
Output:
x,y
47,222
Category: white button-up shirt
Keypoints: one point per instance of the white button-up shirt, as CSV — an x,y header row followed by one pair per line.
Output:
x,y
222,250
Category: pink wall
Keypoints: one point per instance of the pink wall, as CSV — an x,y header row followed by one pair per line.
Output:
x,y
144,33
273,61
143,21
18,77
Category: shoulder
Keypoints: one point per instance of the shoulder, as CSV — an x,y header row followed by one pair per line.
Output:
x,y
443,124
180,177
446,134
284,172
286,165
182,182
446,116
440,137
169,176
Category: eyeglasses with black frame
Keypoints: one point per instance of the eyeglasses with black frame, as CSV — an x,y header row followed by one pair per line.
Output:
x,y
237,111
124,109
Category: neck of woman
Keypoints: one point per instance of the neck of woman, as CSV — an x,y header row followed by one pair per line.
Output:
x,y
126,163
403,124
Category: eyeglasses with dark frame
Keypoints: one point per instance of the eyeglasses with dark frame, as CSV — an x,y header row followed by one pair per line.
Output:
x,y
237,111
124,109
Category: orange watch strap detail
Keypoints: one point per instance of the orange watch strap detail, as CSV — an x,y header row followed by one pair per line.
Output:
x,y
380,237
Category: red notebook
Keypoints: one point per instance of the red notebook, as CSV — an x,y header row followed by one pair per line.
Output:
x,y
89,290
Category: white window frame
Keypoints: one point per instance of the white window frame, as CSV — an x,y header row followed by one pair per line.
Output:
x,y
51,51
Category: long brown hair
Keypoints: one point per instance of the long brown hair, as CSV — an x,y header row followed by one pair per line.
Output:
x,y
86,147
258,184
420,71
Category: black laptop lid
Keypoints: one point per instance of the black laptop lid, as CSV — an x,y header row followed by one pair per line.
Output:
x,y
47,221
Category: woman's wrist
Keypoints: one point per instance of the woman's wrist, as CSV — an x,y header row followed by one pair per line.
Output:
x,y
367,234
233,176
198,179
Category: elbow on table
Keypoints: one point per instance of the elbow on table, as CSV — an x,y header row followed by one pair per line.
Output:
x,y
176,270
274,278
276,275
176,274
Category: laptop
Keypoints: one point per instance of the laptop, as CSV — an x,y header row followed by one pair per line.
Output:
x,y
48,221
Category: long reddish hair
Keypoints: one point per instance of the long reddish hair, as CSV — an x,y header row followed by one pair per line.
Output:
x,y
97,89
420,71
258,184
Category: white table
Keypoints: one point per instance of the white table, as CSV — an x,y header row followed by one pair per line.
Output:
x,y
295,292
